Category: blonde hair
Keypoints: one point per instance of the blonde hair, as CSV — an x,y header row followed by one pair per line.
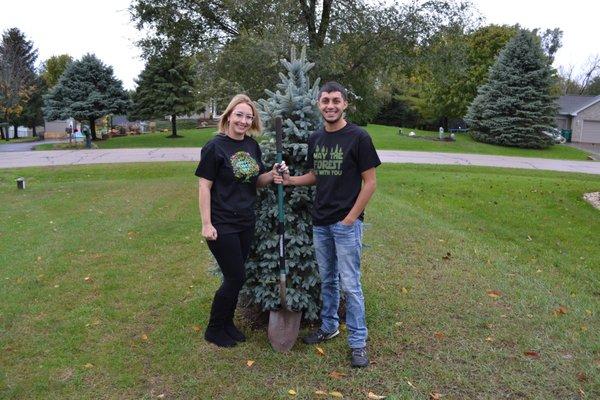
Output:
x,y
256,126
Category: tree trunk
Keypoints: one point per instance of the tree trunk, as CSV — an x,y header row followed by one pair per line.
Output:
x,y
1,133
174,127
16,128
33,131
93,128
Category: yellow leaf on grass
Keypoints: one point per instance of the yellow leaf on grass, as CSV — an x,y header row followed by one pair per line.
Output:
x,y
88,366
144,337
197,328
489,339
87,279
250,363
494,294
320,393
336,394
320,351
337,375
374,396
562,310
292,392
404,290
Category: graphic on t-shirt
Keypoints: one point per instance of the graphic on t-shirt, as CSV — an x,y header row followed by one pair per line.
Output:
x,y
328,161
244,166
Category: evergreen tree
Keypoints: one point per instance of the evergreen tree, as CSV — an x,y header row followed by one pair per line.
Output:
x,y
165,87
86,91
295,102
17,75
516,105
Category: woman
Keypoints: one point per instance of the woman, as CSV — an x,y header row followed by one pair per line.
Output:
x,y
230,170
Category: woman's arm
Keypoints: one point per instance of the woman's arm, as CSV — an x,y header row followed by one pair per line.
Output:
x,y
266,178
208,230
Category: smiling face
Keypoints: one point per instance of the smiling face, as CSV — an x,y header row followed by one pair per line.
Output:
x,y
332,106
240,120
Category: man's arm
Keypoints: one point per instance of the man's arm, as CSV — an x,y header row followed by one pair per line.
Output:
x,y
303,180
368,188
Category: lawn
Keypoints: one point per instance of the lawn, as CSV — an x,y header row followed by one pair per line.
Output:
x,y
480,283
384,137
387,137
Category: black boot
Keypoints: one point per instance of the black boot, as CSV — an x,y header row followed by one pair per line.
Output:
x,y
230,328
215,331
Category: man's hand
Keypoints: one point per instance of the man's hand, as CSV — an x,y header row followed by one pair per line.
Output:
x,y
348,221
209,232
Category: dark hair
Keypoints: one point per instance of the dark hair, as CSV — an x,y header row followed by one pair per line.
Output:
x,y
332,86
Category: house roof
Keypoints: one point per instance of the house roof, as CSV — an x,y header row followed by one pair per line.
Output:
x,y
571,105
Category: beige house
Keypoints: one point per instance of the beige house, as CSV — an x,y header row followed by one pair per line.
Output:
x,y
580,114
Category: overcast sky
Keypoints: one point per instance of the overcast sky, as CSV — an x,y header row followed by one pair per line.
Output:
x,y
104,28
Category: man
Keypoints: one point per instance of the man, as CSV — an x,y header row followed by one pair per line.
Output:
x,y
342,160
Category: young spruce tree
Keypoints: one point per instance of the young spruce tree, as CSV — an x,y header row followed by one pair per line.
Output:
x,y
516,105
295,102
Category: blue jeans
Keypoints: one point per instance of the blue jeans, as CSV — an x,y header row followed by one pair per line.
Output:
x,y
338,249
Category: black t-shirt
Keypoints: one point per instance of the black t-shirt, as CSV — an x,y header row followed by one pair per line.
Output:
x,y
338,159
233,167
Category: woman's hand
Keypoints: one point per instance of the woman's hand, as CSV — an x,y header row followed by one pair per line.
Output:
x,y
281,174
209,232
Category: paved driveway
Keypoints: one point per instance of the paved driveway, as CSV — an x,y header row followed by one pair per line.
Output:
x,y
101,156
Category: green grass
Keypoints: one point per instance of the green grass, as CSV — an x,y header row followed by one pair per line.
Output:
x,y
191,138
384,138
387,137
438,240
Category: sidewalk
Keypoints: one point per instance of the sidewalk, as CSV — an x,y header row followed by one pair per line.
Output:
x,y
99,156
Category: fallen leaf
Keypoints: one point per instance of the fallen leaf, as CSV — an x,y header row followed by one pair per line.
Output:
x,y
337,375
320,351
404,290
562,310
435,396
87,279
582,377
584,328
489,339
250,363
197,328
292,392
532,354
161,396
320,393
529,239
494,294
144,337
439,335
374,396
336,394
39,258
88,366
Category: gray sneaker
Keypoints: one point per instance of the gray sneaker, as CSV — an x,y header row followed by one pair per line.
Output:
x,y
360,359
319,336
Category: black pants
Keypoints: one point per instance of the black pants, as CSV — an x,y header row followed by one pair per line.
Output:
x,y
231,251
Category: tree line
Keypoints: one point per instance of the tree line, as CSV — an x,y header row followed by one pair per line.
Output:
x,y
415,64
